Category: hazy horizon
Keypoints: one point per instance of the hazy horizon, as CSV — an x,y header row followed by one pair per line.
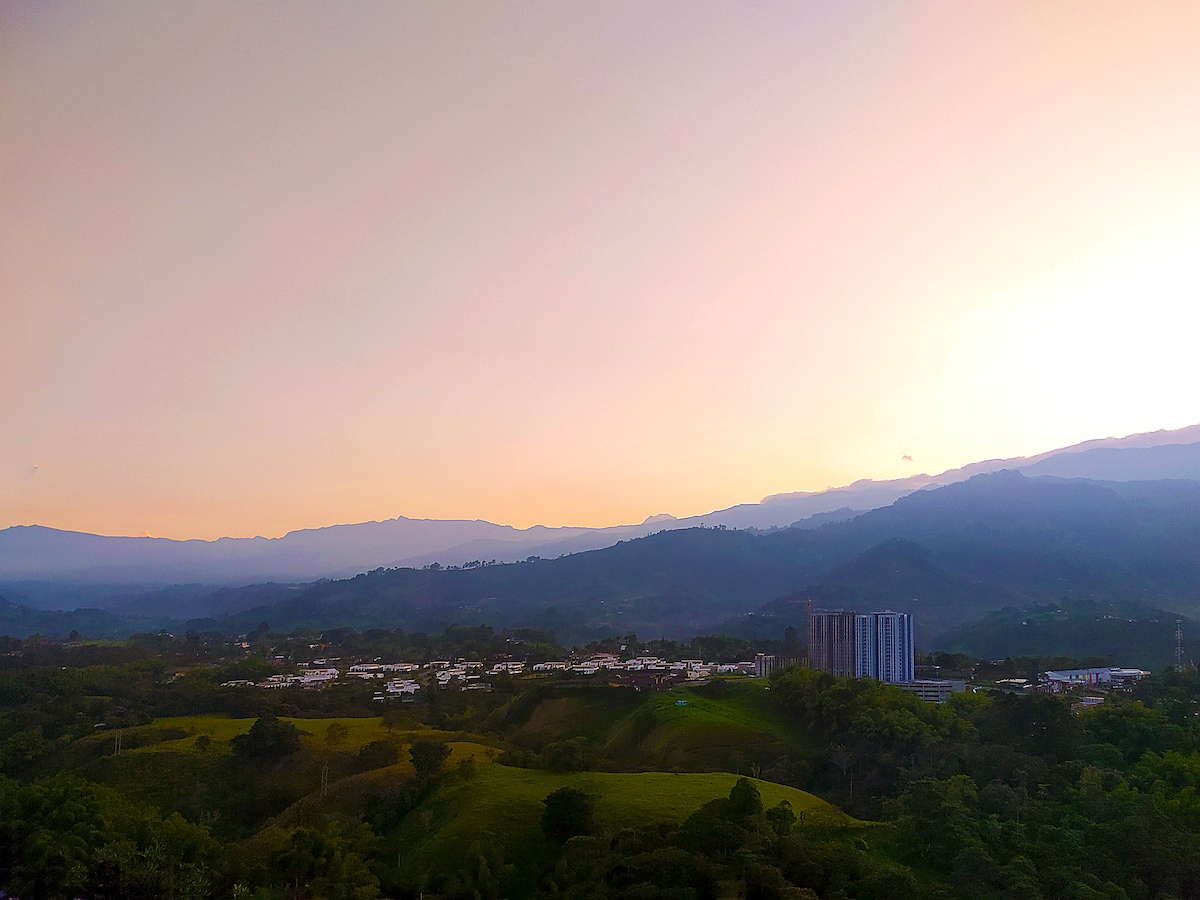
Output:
x,y
272,268
649,518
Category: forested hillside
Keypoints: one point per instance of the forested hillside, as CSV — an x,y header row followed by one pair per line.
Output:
x,y
1126,633
948,556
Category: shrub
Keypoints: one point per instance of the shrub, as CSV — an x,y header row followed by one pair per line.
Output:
x,y
268,738
427,757
568,813
377,755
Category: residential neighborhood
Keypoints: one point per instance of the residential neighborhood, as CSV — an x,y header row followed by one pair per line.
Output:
x,y
877,645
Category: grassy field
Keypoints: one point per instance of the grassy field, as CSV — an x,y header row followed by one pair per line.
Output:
x,y
555,713
714,729
349,796
745,705
499,810
163,764
184,764
313,732
732,726
359,731
502,805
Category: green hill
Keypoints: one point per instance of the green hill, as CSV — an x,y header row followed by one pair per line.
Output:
x,y
722,726
495,815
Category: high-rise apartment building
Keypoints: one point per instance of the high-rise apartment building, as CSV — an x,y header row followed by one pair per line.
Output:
x,y
831,641
883,647
865,638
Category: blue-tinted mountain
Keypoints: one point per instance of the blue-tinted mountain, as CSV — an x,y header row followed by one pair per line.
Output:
x,y
947,555
46,555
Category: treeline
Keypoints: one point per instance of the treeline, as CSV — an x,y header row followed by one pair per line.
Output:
x,y
732,846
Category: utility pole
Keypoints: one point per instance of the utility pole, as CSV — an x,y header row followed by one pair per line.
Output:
x,y
324,779
117,743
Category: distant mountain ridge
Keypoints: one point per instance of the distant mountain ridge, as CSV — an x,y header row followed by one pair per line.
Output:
x,y
39,554
947,555
36,552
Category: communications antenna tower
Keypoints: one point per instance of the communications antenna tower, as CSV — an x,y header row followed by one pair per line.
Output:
x,y
1178,643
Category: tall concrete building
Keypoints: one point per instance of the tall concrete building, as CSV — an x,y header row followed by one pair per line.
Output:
x,y
883,647
831,641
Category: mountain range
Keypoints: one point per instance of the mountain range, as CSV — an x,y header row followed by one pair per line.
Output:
x,y
53,568
948,555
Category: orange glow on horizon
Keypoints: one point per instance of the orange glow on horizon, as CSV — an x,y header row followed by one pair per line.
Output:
x,y
272,268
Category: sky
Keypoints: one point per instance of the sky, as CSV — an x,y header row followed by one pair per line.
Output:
x,y
272,266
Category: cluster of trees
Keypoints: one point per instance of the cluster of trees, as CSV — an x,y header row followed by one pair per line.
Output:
x,y
64,836
67,837
732,846
1009,796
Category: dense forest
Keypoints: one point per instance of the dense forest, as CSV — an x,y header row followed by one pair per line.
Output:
x,y
1121,631
131,770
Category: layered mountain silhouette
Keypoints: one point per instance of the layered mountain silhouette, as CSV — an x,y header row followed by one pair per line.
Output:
x,y
35,555
947,555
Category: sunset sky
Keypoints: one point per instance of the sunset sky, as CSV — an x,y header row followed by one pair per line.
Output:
x,y
271,266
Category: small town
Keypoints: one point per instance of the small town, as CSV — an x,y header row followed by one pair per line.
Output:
x,y
876,645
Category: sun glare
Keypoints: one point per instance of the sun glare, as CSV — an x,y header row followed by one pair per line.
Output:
x,y
1108,338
